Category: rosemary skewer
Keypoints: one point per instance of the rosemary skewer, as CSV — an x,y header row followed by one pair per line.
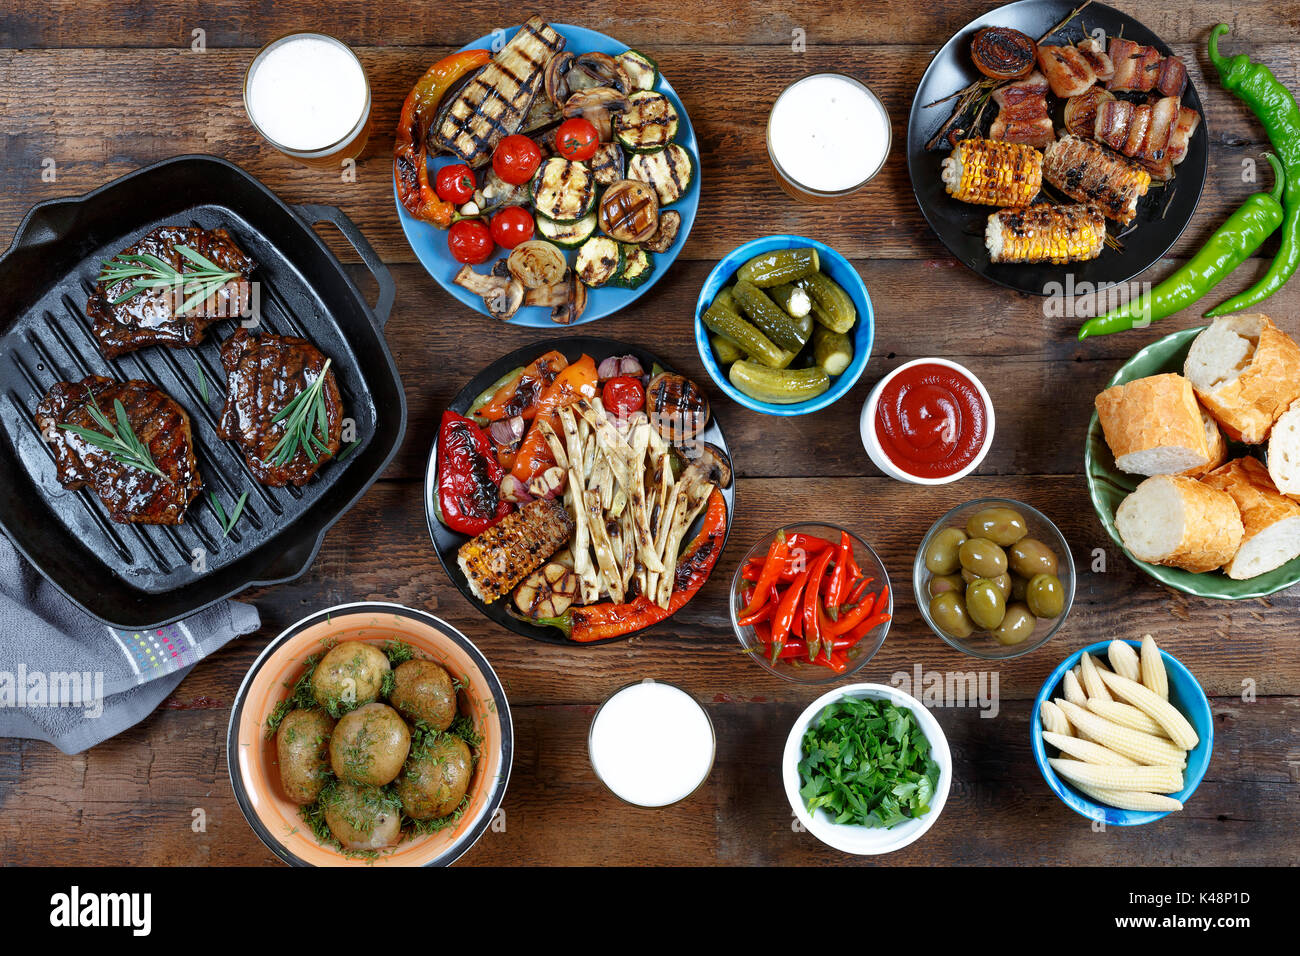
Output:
x,y
146,271
119,441
302,418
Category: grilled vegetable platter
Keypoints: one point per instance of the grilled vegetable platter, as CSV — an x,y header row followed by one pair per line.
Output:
x,y
550,182
579,491
1051,137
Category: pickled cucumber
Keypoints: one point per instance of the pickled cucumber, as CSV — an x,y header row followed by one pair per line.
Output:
x,y
724,322
779,267
768,317
832,306
832,350
779,387
796,301
725,350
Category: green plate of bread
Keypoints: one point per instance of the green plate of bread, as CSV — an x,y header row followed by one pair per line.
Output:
x,y
1193,459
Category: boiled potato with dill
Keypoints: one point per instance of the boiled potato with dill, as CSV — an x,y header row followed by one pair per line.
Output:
x,y
423,690
363,819
349,676
302,751
370,745
435,778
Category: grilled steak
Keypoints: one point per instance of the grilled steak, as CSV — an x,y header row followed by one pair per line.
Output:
x,y
130,493
263,375
149,317
496,101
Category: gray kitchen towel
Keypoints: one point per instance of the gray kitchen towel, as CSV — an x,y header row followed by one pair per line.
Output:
x,y
68,679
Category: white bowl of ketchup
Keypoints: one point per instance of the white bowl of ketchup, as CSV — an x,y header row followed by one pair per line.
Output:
x,y
928,422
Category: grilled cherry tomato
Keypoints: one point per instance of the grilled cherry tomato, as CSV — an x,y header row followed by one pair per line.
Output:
x,y
455,183
469,241
516,159
576,139
623,395
511,226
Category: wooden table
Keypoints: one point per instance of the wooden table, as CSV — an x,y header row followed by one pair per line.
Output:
x,y
103,88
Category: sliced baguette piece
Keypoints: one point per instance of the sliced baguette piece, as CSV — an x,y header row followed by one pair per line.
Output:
x,y
1284,451
1180,522
1246,371
1153,425
1271,520
1217,444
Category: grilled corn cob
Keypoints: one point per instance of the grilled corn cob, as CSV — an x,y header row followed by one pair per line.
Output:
x,y
514,547
1088,172
992,173
1045,233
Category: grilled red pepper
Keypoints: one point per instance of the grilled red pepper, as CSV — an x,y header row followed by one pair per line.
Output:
x,y
469,477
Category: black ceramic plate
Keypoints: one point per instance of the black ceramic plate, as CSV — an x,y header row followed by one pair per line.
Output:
x,y
1163,213
446,542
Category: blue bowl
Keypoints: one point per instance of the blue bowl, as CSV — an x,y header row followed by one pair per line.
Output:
x,y
833,265
1184,693
429,243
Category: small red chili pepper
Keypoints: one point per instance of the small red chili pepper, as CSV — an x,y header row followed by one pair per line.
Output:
x,y
858,589
853,618
777,552
810,544
812,633
784,615
839,663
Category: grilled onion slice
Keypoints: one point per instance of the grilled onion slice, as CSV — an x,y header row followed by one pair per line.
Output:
x,y
1003,53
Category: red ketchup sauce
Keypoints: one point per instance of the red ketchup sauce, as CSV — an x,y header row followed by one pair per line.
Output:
x,y
931,420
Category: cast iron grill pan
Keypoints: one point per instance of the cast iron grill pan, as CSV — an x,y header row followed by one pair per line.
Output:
x,y
133,575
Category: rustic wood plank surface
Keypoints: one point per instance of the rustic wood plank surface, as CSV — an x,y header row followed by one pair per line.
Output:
x,y
102,89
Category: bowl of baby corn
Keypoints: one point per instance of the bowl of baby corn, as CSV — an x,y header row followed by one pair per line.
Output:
x,y
1122,732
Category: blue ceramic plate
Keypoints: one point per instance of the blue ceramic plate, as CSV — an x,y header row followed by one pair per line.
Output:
x,y
1184,693
833,265
429,243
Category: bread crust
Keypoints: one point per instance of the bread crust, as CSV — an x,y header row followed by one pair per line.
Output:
x,y
1159,411
1247,406
1217,444
1212,528
1260,503
1278,439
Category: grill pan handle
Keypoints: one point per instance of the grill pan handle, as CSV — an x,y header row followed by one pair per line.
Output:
x,y
313,213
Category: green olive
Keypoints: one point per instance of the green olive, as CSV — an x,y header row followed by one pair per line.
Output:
x,y
983,557
985,604
948,611
1017,624
1018,586
1003,581
941,552
1029,556
1002,526
943,583
1045,595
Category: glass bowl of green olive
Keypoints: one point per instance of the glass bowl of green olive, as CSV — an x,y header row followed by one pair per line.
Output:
x,y
994,578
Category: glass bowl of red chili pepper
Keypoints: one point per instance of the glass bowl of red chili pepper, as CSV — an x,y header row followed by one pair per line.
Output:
x,y
1004,543
811,602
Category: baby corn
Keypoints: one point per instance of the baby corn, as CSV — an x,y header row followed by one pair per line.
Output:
x,y
1130,799
1143,748
1054,721
1154,676
1045,233
1156,707
1126,715
1087,751
1153,779
1124,660
1092,684
993,173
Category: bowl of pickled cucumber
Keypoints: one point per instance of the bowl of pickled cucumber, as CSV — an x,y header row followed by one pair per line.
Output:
x,y
994,578
784,325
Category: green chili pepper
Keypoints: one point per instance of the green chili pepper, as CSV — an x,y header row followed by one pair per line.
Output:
x,y
1240,235
1256,86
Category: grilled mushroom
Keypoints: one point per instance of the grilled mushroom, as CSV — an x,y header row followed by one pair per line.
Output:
x,y
547,592
678,408
596,105
599,69
555,78
566,299
502,296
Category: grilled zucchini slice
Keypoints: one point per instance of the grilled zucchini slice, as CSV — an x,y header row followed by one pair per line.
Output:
x,y
563,190
567,235
668,171
607,164
649,122
637,266
641,70
599,261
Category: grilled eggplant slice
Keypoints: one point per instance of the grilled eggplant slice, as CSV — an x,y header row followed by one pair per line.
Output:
x,y
670,222
599,260
564,190
649,122
514,547
629,211
607,164
495,103
668,171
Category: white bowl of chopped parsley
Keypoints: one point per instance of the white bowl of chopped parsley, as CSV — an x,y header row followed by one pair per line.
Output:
x,y
867,769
